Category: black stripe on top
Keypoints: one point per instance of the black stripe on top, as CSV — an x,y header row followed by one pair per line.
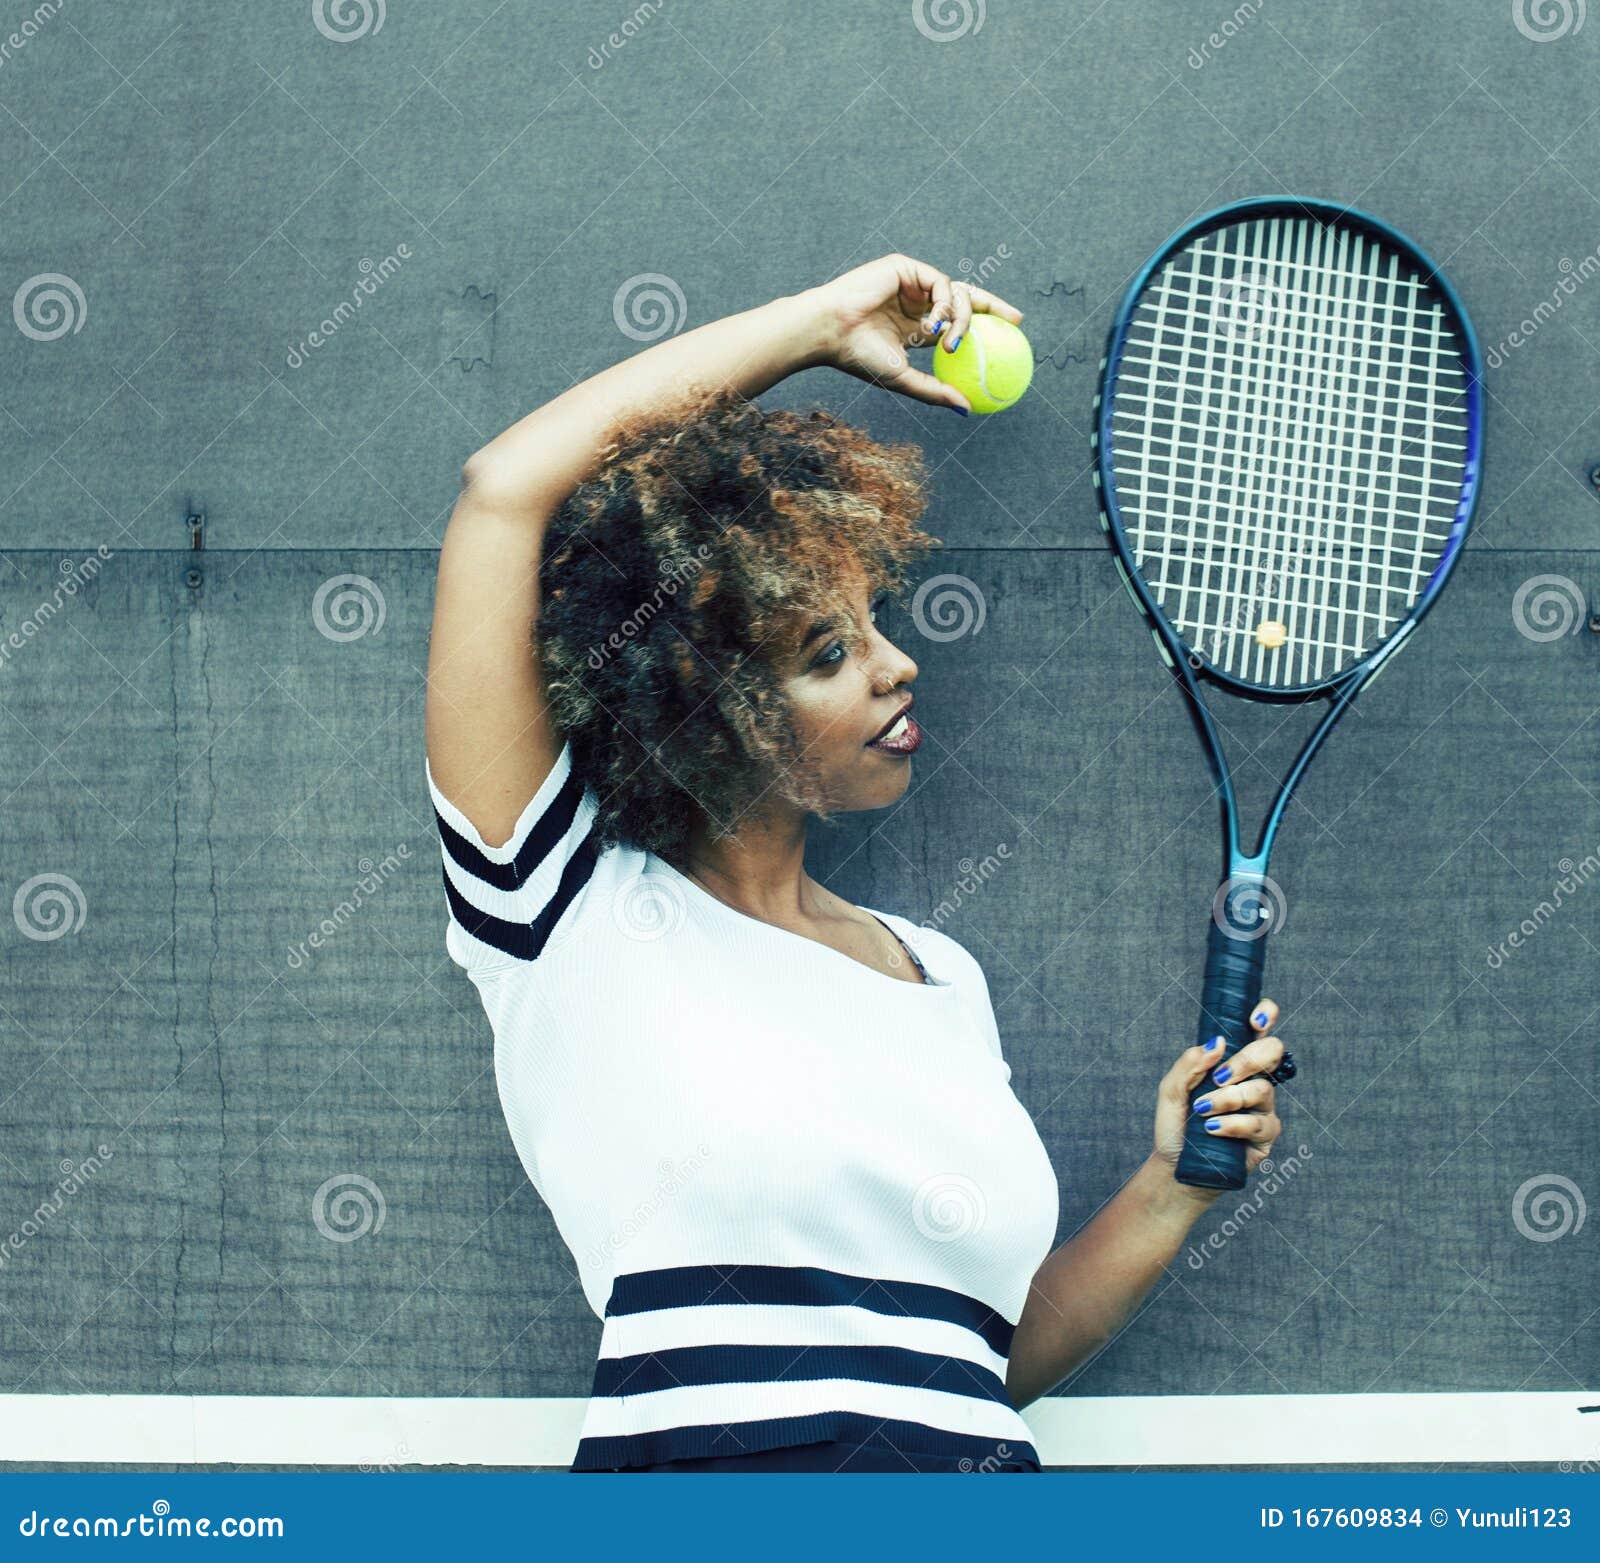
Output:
x,y
548,830
682,1366
527,940
698,1286
523,941
964,1451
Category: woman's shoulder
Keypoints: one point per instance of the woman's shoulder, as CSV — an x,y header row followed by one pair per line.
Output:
x,y
942,953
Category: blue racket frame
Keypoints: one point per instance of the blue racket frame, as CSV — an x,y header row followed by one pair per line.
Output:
x,y
1235,957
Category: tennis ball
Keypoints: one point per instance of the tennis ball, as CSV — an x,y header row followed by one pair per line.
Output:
x,y
991,367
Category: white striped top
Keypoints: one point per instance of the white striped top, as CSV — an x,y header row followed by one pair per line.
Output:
x,y
800,1193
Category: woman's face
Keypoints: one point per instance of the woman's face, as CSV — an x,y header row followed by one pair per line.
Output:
x,y
842,701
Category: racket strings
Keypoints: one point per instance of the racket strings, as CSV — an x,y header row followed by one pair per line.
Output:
x,y
1289,438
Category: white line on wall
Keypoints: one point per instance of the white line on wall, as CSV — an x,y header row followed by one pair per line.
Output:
x,y
1119,1431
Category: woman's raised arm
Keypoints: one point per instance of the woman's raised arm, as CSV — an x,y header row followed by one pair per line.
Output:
x,y
489,736
490,741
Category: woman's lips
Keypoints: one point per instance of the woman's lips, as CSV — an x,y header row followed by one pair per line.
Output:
x,y
905,737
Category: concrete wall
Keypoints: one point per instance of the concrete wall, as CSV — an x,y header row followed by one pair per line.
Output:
x,y
190,739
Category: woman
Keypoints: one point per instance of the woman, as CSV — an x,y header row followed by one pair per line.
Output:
x,y
775,1129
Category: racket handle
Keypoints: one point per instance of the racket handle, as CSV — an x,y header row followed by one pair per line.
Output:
x,y
1232,987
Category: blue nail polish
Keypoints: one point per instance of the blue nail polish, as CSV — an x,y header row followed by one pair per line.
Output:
x,y
1212,1125
1213,1044
1261,1017
1221,1074
1203,1107
955,342
961,410
939,326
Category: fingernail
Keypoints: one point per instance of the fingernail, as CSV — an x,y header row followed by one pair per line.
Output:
x,y
961,410
1203,1107
955,342
1221,1074
939,326
1212,1125
1213,1044
1261,1017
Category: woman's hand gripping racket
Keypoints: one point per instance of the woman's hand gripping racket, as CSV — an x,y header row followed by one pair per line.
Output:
x,y
1288,437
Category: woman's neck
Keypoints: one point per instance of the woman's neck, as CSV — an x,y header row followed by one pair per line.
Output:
x,y
761,871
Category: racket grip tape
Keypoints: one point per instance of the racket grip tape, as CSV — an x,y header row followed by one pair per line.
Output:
x,y
1232,987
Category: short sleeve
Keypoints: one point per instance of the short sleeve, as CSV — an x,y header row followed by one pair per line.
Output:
x,y
975,989
506,902
983,1006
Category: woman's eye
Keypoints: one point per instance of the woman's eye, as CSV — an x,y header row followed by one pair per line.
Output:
x,y
835,653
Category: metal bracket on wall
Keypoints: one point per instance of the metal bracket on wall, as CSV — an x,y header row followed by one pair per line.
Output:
x,y
196,522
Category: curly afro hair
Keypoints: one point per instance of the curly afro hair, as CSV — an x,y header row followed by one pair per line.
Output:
x,y
670,582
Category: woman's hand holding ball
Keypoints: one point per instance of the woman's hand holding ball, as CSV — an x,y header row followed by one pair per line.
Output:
x,y
872,315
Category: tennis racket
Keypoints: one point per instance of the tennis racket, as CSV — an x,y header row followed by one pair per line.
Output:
x,y
1288,433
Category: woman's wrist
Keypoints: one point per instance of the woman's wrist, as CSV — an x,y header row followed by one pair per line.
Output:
x,y
1166,1197
807,326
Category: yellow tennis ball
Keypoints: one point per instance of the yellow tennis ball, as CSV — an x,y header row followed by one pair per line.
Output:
x,y
1271,633
991,367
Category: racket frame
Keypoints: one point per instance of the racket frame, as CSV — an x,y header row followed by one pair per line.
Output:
x,y
1190,667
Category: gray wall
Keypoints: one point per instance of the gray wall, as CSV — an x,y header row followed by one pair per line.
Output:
x,y
214,773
